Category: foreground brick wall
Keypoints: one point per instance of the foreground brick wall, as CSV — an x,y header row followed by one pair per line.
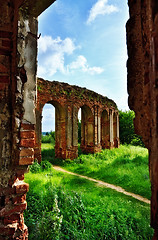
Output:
x,y
67,101
142,43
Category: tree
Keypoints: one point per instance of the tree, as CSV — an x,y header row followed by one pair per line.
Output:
x,y
127,133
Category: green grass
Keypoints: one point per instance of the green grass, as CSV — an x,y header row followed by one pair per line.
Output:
x,y
61,206
126,166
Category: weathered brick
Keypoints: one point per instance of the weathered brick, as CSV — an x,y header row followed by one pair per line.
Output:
x,y
19,199
21,187
27,134
27,143
4,79
16,209
3,69
6,43
26,152
26,126
5,34
13,218
7,231
26,161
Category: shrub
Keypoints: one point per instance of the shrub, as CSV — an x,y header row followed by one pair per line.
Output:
x,y
45,165
35,167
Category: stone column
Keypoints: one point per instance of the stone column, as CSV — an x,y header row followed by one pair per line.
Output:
x,y
111,130
72,132
118,126
97,129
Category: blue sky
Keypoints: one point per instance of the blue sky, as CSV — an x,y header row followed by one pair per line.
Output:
x,y
84,43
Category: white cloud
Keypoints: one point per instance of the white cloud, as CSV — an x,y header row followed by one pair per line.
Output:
x,y
56,45
52,53
81,63
101,7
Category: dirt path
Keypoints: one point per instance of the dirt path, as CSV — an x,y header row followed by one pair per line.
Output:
x,y
108,185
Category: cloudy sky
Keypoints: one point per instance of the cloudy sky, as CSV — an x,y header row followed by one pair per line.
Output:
x,y
84,43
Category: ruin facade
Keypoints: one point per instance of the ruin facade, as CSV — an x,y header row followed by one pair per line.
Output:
x,y
99,119
18,52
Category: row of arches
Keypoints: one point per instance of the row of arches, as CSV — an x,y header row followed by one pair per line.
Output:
x,y
99,129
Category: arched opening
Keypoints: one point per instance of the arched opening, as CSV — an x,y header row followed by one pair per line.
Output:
x,y
87,129
48,132
105,130
55,121
48,119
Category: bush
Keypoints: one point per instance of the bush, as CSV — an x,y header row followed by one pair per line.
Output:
x,y
45,165
36,167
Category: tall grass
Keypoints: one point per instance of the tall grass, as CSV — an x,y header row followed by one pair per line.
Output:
x,y
126,166
61,206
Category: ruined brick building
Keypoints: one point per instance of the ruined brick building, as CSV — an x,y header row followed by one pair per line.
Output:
x,y
18,51
99,119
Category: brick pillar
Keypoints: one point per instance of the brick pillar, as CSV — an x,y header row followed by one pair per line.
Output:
x,y
116,129
111,130
60,132
72,132
105,130
87,130
97,129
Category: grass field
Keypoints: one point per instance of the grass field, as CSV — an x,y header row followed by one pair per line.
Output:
x,y
61,206
126,166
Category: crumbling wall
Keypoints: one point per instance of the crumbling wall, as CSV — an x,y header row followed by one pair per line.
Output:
x,y
18,51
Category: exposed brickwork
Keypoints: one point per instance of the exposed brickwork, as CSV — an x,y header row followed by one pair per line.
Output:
x,y
142,43
67,101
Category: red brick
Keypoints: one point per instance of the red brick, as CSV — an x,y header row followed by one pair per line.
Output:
x,y
26,126
20,174
6,43
27,134
19,199
21,187
27,143
5,52
14,218
26,161
2,86
16,209
7,231
3,69
26,152
5,34
4,79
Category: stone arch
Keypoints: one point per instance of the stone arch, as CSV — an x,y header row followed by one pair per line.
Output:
x,y
105,129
